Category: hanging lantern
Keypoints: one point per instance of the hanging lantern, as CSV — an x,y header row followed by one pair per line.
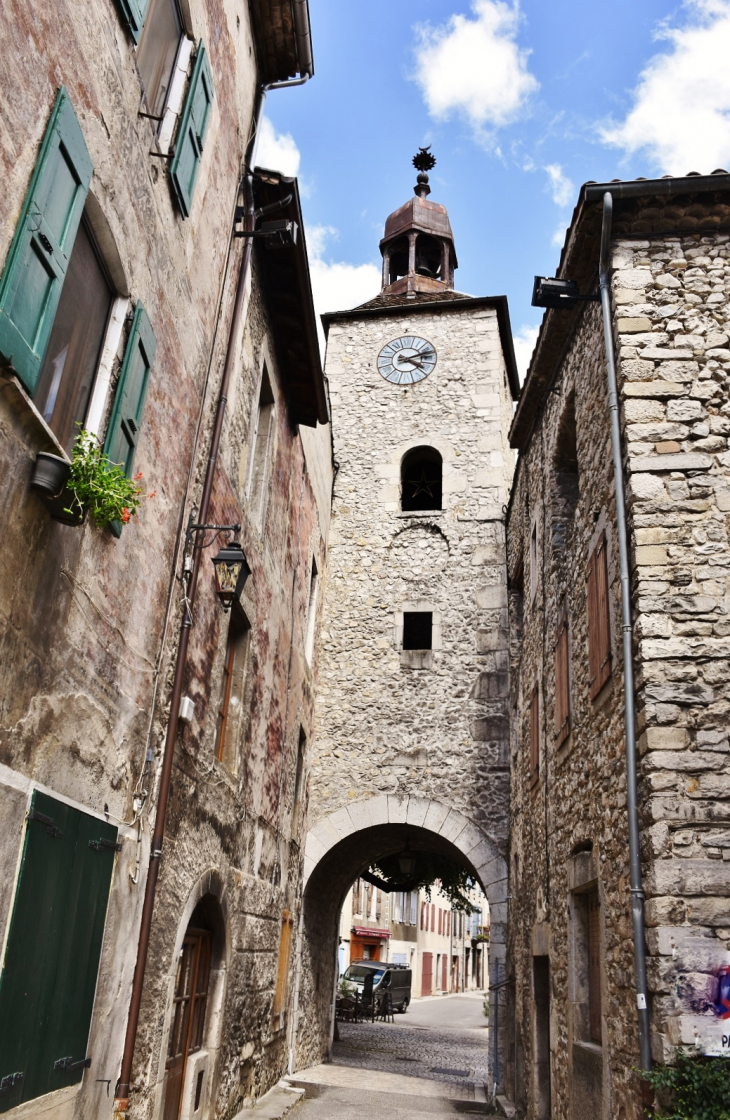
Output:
x,y
231,572
407,862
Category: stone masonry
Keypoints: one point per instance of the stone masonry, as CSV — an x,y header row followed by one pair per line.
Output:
x,y
670,305
407,736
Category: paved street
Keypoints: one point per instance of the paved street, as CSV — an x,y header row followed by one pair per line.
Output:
x,y
430,1062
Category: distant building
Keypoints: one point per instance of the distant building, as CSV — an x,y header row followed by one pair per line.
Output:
x,y
446,949
574,960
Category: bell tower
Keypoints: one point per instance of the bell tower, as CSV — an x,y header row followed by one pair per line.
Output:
x,y
418,245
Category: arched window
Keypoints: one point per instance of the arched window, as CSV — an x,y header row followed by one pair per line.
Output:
x,y
420,476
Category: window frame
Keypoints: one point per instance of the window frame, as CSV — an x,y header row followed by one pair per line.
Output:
x,y
563,720
236,663
600,655
534,716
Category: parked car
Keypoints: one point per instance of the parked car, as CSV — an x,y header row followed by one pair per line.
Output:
x,y
393,978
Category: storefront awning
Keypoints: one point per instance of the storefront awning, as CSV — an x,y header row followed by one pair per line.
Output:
x,y
362,931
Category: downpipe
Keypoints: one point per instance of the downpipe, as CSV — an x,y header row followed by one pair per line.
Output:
x,y
635,887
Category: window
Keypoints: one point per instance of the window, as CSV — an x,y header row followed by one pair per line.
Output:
x,y
533,562
414,908
562,682
259,461
299,785
421,480
56,298
51,960
417,630
282,973
67,375
566,483
599,626
231,708
311,612
535,736
159,42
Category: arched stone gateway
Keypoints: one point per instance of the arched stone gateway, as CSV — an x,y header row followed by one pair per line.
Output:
x,y
342,845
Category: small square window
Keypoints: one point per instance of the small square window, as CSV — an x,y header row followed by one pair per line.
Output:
x,y
417,630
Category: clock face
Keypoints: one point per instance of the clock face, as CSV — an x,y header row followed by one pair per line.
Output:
x,y
406,360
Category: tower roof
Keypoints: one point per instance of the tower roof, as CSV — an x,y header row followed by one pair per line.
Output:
x,y
421,215
418,245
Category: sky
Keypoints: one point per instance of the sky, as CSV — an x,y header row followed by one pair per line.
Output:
x,y
522,102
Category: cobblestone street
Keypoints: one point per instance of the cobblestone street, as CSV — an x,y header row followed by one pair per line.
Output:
x,y
438,1053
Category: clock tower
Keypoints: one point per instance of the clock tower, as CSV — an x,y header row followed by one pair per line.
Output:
x,y
412,706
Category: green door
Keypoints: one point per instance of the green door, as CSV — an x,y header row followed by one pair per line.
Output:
x,y
51,961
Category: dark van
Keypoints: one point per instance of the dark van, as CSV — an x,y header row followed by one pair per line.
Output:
x,y
393,978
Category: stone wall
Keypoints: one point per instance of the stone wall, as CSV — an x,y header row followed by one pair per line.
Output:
x,y
670,309
672,325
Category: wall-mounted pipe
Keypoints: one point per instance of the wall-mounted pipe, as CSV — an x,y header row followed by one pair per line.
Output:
x,y
635,887
121,1095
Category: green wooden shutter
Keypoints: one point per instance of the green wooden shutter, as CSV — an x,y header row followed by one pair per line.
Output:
x,y
191,133
51,962
134,12
126,417
30,287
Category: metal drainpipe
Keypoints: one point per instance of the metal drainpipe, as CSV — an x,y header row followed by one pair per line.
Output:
x,y
121,1096
637,893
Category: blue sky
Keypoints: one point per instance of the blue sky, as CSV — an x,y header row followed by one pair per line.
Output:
x,y
522,103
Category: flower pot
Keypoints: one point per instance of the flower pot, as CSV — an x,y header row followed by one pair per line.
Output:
x,y
50,474
49,478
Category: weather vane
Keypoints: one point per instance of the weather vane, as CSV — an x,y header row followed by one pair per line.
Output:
x,y
423,162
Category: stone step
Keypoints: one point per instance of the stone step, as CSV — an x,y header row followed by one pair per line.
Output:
x,y
274,1104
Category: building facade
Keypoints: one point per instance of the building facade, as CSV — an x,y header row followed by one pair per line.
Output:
x,y
575,1044
446,949
128,307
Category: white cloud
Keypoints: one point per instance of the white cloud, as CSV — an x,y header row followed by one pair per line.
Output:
x,y
524,342
561,187
681,111
337,285
277,151
474,67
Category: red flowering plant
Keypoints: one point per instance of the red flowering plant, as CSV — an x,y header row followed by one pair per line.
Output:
x,y
99,486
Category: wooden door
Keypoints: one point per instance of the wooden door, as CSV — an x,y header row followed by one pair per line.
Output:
x,y
188,1014
444,972
427,974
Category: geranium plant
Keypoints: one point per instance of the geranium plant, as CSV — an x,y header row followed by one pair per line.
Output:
x,y
99,486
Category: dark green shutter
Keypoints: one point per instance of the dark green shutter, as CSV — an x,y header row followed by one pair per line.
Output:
x,y
134,12
191,133
51,962
126,417
31,283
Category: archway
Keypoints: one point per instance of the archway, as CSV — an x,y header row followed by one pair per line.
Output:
x,y
343,844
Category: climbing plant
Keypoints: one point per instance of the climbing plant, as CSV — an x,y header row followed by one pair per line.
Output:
x,y
694,1088
431,867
